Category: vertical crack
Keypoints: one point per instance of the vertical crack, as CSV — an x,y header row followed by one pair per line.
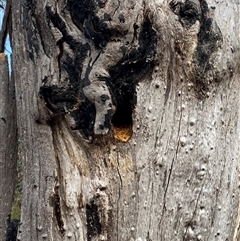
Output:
x,y
60,46
57,210
56,200
189,224
170,171
119,190
116,8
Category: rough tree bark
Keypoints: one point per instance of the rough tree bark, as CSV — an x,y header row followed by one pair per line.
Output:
x,y
128,119
8,140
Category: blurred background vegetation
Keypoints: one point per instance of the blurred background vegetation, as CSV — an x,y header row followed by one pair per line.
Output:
x,y
8,49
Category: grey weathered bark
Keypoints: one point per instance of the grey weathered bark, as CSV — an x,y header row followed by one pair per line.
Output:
x,y
128,117
8,140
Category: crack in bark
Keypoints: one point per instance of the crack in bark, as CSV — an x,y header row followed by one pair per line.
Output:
x,y
119,190
117,7
165,194
57,211
190,223
171,168
57,207
217,193
120,177
167,92
60,46
150,216
169,80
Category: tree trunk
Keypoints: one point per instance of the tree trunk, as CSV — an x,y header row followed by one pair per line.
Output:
x,y
8,140
128,119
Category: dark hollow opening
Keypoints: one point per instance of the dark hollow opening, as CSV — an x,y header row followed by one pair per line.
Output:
x,y
123,115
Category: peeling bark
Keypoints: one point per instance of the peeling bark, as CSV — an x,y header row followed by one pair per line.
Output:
x,y
128,119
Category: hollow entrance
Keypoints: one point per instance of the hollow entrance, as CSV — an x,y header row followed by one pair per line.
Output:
x,y
122,121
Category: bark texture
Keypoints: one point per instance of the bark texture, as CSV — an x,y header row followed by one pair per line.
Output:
x,y
8,148
128,117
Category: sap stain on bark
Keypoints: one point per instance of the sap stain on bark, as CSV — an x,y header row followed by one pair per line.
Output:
x,y
209,38
94,227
